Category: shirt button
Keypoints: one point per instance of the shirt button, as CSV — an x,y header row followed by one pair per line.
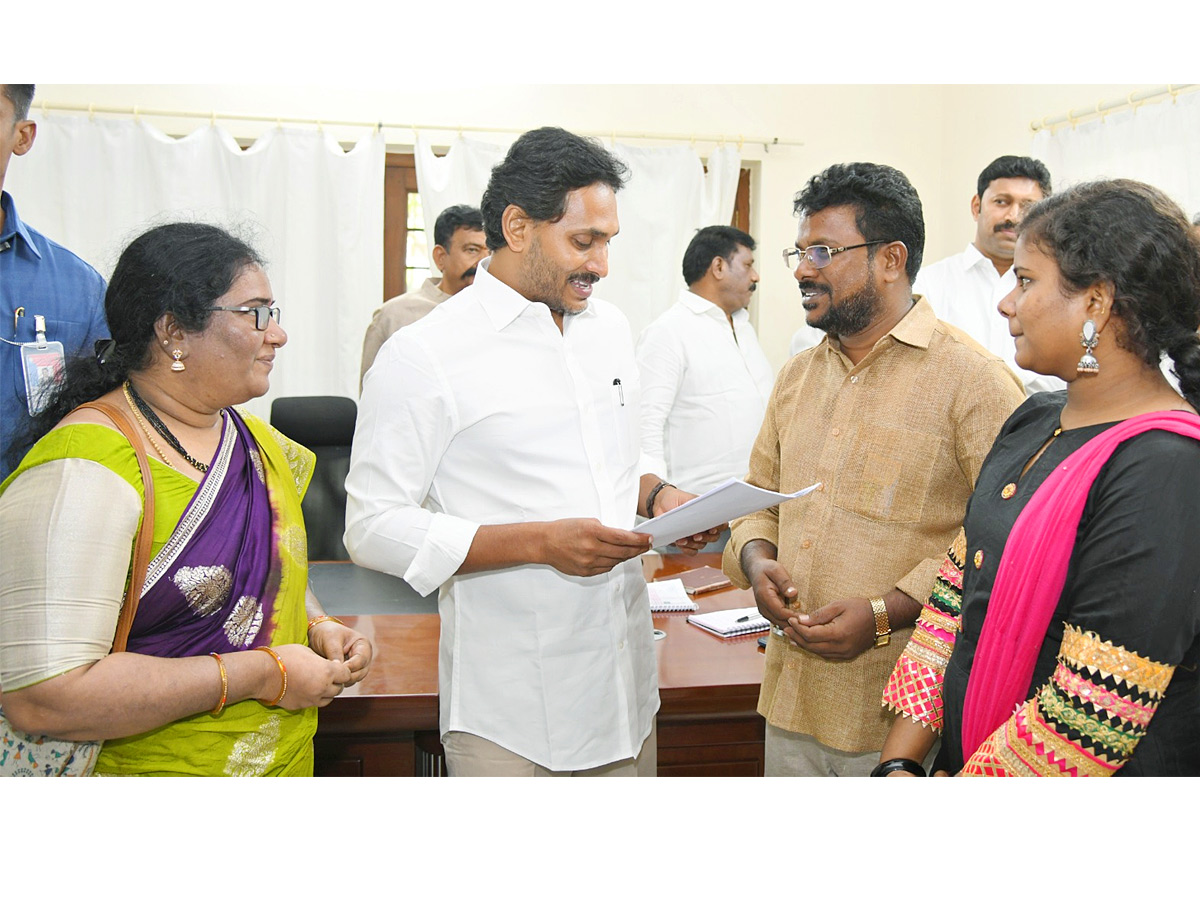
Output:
x,y
978,558
854,379
821,488
1009,490
806,544
836,431
621,645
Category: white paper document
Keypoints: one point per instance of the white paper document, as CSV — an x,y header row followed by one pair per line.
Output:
x,y
724,502
669,596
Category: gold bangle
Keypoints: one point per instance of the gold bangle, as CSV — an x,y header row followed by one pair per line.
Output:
x,y
883,627
282,672
317,620
220,707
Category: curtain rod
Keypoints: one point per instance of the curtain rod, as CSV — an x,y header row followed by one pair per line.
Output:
x,y
1135,99
137,112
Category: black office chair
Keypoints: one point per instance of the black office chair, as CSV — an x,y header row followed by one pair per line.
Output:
x,y
325,425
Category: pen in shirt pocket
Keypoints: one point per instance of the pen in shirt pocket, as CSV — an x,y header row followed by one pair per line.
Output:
x,y
620,390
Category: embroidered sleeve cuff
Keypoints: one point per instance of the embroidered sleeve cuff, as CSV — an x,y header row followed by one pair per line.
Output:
x,y
446,544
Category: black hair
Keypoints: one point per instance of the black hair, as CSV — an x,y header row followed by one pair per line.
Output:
x,y
20,96
707,245
1014,167
886,205
1134,237
181,268
540,169
451,219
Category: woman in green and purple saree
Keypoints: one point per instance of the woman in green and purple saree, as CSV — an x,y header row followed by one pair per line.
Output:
x,y
229,653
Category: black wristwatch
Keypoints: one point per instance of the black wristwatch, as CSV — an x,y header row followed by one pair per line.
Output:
x,y
653,496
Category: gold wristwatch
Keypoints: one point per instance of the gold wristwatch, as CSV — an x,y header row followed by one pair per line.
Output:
x,y
883,628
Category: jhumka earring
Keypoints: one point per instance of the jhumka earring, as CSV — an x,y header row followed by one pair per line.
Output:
x,y
178,366
1088,364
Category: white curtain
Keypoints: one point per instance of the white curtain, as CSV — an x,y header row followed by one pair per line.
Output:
x,y
313,211
1156,143
668,196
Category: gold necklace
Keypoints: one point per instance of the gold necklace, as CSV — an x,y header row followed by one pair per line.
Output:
x,y
145,428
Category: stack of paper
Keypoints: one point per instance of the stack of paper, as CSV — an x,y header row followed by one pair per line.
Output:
x,y
670,596
732,622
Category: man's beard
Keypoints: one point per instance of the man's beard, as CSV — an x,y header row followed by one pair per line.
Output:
x,y
850,316
544,282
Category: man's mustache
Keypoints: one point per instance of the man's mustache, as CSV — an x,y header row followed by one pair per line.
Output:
x,y
470,273
1006,226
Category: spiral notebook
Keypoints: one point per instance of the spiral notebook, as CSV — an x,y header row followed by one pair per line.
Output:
x,y
670,596
731,622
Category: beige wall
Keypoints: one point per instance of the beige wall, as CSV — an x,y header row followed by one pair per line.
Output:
x,y
939,135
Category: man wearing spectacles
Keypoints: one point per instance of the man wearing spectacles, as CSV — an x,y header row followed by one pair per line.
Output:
x,y
892,413
964,289
705,379
39,281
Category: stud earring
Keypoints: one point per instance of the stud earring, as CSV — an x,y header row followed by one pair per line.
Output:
x,y
178,366
1088,364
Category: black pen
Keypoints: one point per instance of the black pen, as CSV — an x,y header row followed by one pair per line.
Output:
x,y
620,390
747,618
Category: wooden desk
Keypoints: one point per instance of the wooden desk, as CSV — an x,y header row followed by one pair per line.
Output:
x,y
707,724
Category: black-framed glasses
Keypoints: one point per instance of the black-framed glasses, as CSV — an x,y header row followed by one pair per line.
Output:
x,y
818,254
262,314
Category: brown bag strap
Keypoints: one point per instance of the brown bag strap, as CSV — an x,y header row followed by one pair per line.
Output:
x,y
145,534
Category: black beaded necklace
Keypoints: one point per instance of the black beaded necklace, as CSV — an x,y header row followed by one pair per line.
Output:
x,y
162,429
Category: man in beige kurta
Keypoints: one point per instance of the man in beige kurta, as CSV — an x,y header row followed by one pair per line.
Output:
x,y
893,413
459,245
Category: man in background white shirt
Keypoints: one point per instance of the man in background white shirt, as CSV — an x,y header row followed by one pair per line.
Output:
x,y
964,289
496,456
705,379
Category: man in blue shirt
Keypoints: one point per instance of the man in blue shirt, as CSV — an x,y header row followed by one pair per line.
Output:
x,y
38,277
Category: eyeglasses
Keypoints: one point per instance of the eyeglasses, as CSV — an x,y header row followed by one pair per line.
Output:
x,y
818,254
262,314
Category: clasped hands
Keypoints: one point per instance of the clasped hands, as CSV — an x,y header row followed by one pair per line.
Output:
x,y
839,630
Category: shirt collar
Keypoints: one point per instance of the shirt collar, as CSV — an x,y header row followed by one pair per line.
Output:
x,y
502,304
13,224
704,307
916,328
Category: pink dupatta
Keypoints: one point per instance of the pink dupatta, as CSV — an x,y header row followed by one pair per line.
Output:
x,y
1032,573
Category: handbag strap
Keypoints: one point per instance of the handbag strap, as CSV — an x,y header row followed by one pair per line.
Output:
x,y
145,533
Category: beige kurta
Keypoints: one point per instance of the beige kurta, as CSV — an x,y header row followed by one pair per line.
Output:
x,y
897,443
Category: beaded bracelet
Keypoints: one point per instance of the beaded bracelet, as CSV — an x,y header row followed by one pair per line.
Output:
x,y
220,707
885,768
317,620
282,672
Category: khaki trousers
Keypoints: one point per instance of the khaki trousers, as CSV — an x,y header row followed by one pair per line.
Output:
x,y
468,755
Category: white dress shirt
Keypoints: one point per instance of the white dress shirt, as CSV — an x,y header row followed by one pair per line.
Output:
x,y
703,393
964,290
483,413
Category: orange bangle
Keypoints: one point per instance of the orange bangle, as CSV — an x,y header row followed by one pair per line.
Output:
x,y
220,707
317,620
282,672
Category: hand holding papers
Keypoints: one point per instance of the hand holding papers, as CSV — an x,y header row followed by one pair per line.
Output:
x,y
723,503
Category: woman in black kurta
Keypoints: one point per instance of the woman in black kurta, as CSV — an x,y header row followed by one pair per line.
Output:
x,y
1114,688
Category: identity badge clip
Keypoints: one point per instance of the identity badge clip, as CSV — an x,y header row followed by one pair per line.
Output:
x,y
41,364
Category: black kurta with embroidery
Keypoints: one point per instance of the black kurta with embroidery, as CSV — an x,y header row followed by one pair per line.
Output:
x,y
1131,605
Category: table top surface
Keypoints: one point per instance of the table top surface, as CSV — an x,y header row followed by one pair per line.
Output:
x,y
697,671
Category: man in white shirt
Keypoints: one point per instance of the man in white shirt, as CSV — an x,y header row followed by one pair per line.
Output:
x,y
705,379
964,289
459,245
496,456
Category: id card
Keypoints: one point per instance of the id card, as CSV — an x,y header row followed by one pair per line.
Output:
x,y
41,366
